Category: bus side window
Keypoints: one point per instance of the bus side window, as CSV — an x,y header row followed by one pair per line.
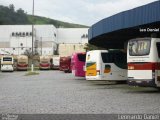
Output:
x,y
121,60
107,57
158,49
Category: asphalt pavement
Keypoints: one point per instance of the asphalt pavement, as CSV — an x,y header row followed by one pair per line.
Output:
x,y
54,92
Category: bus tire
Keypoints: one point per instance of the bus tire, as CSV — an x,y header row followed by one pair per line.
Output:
x,y
158,88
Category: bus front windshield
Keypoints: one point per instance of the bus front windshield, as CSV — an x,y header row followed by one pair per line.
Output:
x,y
82,57
139,47
7,59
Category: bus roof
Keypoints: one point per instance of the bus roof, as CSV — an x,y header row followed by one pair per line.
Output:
x,y
22,56
98,51
7,56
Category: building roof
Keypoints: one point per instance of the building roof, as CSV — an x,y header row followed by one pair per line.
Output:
x,y
113,31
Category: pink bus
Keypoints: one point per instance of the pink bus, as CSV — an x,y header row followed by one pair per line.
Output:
x,y
78,63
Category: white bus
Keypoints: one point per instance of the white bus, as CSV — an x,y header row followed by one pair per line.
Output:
x,y
7,63
105,65
143,58
22,62
55,62
44,63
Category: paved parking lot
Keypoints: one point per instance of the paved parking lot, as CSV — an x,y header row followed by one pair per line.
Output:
x,y
57,92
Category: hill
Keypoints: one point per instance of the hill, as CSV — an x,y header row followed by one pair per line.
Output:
x,y
43,20
10,16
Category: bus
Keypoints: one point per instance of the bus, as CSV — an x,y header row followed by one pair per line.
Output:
x,y
55,62
22,62
106,65
44,63
65,64
78,63
7,63
143,58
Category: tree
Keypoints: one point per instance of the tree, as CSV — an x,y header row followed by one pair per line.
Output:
x,y
20,11
21,17
11,7
8,16
28,52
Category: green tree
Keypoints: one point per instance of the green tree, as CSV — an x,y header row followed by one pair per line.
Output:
x,y
12,8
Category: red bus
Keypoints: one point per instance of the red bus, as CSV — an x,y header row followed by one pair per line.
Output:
x,y
65,64
78,63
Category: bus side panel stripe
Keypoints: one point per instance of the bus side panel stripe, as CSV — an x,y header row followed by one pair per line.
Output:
x,y
144,66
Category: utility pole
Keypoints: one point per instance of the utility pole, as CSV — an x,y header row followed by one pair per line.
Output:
x,y
41,45
32,66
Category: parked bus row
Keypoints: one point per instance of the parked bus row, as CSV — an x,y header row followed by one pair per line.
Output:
x,y
97,65
11,63
21,62
140,66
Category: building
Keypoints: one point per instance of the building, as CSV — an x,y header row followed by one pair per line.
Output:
x,y
47,40
17,39
72,40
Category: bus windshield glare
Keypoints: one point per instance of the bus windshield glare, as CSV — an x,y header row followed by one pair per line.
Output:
x,y
139,47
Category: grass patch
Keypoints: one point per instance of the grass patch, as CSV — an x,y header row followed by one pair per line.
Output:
x,y
35,68
31,73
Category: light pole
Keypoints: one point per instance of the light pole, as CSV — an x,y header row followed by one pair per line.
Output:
x,y
41,45
32,66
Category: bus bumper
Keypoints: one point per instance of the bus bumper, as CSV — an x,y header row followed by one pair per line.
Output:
x,y
55,67
142,83
22,68
44,68
7,69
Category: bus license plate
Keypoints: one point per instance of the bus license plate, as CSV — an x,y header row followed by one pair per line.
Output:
x,y
138,81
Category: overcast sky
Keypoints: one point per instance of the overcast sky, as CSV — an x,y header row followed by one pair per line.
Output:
x,y
85,12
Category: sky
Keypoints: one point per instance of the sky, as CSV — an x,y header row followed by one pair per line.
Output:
x,y
86,12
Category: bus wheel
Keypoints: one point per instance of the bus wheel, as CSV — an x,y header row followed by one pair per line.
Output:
x,y
158,88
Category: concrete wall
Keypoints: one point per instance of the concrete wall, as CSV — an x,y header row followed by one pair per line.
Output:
x,y
69,49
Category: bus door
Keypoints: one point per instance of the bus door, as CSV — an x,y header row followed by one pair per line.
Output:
x,y
115,67
120,63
